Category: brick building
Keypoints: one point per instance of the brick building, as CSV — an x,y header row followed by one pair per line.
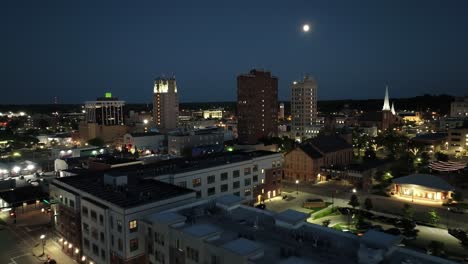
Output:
x,y
304,162
257,106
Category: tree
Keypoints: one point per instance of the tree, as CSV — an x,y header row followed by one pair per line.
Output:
x,y
98,142
441,156
434,218
407,211
368,204
43,124
436,248
326,223
353,202
369,154
425,159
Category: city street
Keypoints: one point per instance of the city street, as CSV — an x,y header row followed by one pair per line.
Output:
x,y
21,243
390,205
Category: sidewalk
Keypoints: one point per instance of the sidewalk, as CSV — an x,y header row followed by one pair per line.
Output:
x,y
54,251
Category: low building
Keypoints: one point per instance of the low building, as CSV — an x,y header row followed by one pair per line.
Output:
x,y
446,123
304,162
180,141
423,187
432,141
360,175
152,141
459,107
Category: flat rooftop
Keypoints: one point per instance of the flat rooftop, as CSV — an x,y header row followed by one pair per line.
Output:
x,y
252,233
137,192
180,165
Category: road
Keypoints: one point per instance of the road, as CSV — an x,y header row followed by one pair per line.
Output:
x,y
20,243
391,205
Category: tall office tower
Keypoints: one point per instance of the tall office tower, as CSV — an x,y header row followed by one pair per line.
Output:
x,y
257,106
281,111
104,118
303,108
165,104
105,110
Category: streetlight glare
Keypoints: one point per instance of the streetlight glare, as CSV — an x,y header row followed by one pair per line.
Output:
x,y
42,236
306,27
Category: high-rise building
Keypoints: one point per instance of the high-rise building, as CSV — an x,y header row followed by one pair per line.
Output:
x,y
165,104
107,110
303,107
257,106
281,111
104,119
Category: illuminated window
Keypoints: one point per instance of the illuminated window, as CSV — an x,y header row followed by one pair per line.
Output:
x,y
132,225
196,182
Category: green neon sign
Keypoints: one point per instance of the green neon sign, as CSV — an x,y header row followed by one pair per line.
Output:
x,y
108,95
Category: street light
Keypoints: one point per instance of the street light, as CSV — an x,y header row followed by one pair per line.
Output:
x,y
42,237
297,186
354,190
83,258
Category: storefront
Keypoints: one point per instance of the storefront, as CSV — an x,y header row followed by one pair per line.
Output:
x,y
423,187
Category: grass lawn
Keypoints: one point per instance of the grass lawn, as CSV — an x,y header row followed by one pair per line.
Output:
x,y
344,226
325,212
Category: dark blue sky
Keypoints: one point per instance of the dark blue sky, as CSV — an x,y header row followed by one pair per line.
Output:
x,y
77,50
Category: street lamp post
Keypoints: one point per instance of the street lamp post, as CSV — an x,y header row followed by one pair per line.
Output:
x,y
297,186
448,212
42,237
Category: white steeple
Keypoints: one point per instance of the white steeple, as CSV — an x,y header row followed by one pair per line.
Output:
x,y
393,109
386,105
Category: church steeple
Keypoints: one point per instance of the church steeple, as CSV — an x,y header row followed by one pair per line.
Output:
x,y
386,105
393,109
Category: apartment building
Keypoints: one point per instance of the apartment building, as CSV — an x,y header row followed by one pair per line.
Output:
x,y
99,215
304,162
223,231
238,173
210,139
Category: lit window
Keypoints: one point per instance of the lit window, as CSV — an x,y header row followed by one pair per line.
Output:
x,y
132,225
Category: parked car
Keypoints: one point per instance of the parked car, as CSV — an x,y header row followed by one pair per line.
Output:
x,y
261,206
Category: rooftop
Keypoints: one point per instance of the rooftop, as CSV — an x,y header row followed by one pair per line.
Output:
x,y
181,165
242,246
326,144
147,134
201,230
137,192
166,218
252,233
425,180
430,137
380,240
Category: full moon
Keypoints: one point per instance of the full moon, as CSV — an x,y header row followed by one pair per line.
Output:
x,y
306,28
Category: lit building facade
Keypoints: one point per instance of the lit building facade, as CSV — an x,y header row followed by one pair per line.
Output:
x,y
257,106
165,104
459,108
423,187
104,118
303,107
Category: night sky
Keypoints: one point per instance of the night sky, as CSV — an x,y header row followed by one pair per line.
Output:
x,y
77,50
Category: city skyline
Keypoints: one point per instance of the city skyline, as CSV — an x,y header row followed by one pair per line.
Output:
x,y
415,48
